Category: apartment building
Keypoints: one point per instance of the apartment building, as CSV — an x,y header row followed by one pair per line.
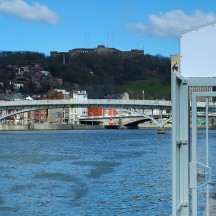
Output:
x,y
75,113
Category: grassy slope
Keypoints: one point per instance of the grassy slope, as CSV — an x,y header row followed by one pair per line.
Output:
x,y
153,89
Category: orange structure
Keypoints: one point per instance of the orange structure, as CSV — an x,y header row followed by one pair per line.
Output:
x,y
112,112
95,111
101,112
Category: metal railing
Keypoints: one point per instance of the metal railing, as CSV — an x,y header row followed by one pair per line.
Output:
x,y
86,103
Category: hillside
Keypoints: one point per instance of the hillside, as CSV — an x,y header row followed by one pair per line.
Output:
x,y
99,75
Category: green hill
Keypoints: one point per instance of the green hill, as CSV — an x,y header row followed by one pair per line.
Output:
x,y
153,89
100,75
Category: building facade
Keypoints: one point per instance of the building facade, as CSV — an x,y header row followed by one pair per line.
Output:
x,y
100,50
75,113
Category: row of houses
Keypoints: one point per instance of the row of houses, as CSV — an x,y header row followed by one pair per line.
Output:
x,y
32,78
61,115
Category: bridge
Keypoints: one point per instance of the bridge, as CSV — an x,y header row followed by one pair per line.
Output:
x,y
74,103
30,105
108,103
27,105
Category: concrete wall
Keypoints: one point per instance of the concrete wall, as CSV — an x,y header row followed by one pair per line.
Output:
x,y
49,127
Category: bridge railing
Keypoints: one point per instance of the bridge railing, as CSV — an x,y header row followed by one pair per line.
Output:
x,y
85,102
135,102
93,102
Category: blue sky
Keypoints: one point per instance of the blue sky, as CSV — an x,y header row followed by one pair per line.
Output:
x,y
61,25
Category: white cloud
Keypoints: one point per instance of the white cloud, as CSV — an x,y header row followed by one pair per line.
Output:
x,y
172,23
35,12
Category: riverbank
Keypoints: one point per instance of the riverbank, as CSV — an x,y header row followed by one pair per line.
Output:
x,y
49,127
11,127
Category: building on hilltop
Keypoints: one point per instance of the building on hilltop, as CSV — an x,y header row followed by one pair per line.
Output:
x,y
56,54
132,53
100,50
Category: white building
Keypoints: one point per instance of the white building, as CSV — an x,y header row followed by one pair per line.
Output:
x,y
66,111
75,113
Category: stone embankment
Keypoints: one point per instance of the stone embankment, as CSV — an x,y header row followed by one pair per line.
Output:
x,y
11,127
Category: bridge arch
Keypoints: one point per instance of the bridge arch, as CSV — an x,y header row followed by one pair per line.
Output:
x,y
18,112
159,123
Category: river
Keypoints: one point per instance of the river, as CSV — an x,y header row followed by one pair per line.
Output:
x,y
85,172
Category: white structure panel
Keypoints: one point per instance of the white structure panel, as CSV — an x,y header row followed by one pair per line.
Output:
x,y
198,52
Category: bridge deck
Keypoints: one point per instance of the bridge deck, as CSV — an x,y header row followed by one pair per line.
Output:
x,y
67,103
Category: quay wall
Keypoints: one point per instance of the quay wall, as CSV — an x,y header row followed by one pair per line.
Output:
x,y
13,127
49,127
74,127
65,127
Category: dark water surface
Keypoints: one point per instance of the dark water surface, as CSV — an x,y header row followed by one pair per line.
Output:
x,y
103,172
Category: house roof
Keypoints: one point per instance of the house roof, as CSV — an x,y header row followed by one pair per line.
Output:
x,y
15,96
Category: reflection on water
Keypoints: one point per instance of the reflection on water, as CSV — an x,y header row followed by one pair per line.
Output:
x,y
105,172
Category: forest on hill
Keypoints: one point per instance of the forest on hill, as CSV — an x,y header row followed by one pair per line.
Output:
x,y
99,75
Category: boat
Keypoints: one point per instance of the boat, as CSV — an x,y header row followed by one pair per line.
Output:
x,y
111,125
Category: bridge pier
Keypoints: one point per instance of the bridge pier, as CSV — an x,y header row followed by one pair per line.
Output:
x,y
161,130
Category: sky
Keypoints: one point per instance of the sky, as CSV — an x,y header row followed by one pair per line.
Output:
x,y
62,25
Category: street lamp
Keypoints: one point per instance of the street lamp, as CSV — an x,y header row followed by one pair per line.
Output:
x,y
143,93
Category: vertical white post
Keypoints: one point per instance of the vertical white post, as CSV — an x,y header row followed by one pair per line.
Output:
x,y
184,148
193,165
180,150
207,159
175,118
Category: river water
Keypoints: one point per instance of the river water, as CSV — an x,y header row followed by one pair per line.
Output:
x,y
80,173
